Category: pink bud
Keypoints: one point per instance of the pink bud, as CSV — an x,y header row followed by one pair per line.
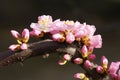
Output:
x,y
14,47
78,60
99,69
87,64
104,62
23,46
91,57
70,38
62,62
67,57
80,76
58,37
84,51
15,34
35,32
25,35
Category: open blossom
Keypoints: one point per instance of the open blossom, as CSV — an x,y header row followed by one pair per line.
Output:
x,y
70,38
95,41
114,70
85,30
57,26
21,39
43,25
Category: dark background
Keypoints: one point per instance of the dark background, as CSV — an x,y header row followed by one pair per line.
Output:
x,y
18,14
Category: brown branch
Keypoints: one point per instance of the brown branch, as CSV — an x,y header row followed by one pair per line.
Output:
x,y
41,48
35,49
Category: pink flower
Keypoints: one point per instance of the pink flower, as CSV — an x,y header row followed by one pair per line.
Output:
x,y
21,39
90,29
114,70
43,24
70,38
45,18
95,41
57,26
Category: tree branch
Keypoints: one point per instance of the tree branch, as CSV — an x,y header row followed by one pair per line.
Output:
x,y
41,48
34,49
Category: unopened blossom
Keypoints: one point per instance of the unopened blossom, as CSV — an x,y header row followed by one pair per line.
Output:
x,y
87,64
21,39
104,62
78,60
67,57
80,76
95,41
84,51
114,70
92,57
23,46
14,47
99,69
36,31
62,61
58,37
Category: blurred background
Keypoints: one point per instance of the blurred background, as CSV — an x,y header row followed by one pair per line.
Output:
x,y
18,14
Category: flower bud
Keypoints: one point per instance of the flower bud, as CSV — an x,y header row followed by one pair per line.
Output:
x,y
62,62
80,76
35,32
25,35
87,64
104,62
14,47
15,34
91,57
78,60
84,51
67,57
99,69
58,37
23,46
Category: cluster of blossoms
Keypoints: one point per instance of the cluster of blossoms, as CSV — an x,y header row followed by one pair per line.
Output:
x,y
69,32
